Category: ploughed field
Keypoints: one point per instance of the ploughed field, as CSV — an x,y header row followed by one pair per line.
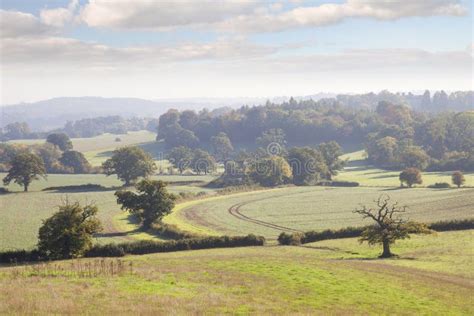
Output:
x,y
432,276
295,209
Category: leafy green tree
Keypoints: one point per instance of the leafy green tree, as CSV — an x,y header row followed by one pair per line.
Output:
x,y
50,155
180,157
202,162
331,151
271,171
60,140
151,202
383,151
414,157
75,160
16,130
25,167
273,137
129,164
410,176
389,226
188,119
68,233
222,146
307,165
167,123
458,178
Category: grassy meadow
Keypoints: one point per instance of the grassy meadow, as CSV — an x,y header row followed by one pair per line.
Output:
x,y
358,170
331,277
289,209
22,213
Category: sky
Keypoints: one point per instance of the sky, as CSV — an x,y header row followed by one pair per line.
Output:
x,y
211,48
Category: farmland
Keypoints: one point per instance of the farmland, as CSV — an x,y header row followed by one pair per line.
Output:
x,y
326,277
22,213
358,170
313,208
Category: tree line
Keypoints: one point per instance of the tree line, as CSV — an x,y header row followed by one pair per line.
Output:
x,y
84,128
395,136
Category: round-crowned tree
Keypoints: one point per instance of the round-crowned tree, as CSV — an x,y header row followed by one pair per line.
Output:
x,y
150,203
25,167
60,140
410,176
458,178
129,164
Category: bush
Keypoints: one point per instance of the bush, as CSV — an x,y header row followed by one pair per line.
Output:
x,y
148,246
68,232
312,236
338,183
443,226
4,191
17,256
440,185
169,231
290,239
109,250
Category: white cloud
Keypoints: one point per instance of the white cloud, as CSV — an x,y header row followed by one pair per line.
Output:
x,y
251,16
331,13
18,24
58,17
146,14
58,50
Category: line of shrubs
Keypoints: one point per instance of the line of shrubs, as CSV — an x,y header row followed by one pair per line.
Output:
x,y
142,247
338,183
350,232
79,187
148,246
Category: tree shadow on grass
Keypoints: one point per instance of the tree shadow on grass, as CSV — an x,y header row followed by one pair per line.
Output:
x,y
81,188
130,219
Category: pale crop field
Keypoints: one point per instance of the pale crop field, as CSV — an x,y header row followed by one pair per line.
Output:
x,y
318,278
293,209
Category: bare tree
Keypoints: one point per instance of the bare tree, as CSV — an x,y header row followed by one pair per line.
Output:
x,y
389,226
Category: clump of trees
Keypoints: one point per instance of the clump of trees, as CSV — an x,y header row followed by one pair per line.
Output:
x,y
150,203
68,233
388,225
298,165
129,164
410,176
25,167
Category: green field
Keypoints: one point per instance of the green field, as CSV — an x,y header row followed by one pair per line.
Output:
x,y
21,213
291,209
320,278
358,170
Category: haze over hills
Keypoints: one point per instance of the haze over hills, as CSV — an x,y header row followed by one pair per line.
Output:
x,y
54,113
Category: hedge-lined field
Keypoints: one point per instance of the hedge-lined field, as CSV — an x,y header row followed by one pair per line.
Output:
x,y
318,278
293,209
21,213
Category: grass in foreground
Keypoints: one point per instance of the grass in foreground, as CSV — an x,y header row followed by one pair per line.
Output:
x,y
262,280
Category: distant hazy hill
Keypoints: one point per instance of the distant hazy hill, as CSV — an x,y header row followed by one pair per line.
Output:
x,y
54,113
